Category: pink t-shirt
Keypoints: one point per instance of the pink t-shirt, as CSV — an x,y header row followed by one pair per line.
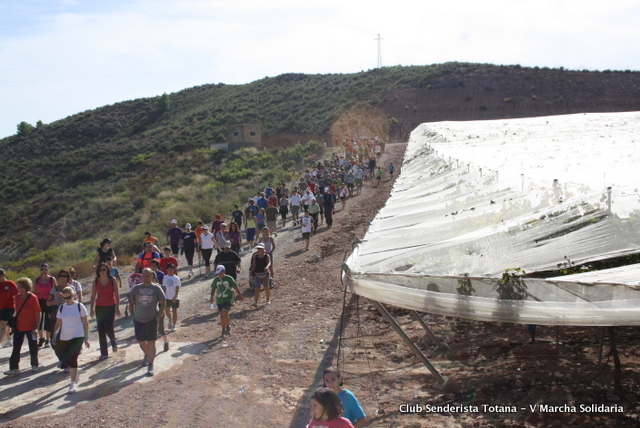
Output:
x,y
334,423
43,289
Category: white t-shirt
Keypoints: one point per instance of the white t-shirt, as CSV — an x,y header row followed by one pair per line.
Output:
x,y
171,283
71,317
207,241
307,223
295,200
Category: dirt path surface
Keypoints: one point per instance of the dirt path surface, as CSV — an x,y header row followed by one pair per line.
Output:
x,y
262,375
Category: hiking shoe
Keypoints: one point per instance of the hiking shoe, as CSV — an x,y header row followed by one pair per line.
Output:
x,y
166,346
8,344
228,330
14,372
40,342
72,388
34,369
150,370
114,348
268,302
46,344
170,326
103,357
175,326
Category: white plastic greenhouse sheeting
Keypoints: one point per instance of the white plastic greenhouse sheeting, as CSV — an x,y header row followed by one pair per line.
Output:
x,y
477,199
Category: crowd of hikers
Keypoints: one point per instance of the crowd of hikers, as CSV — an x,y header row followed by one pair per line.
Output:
x,y
49,311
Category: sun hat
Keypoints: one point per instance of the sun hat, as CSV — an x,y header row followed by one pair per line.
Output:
x,y
259,246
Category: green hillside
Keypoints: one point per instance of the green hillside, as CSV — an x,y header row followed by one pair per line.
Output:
x,y
121,169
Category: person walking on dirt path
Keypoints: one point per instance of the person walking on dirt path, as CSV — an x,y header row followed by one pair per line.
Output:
x,y
144,258
259,272
235,237
251,229
166,259
171,284
378,176
104,251
189,242
332,379
73,326
391,169
105,307
114,271
294,203
173,234
229,259
8,290
43,285
306,223
359,175
225,289
150,238
269,247
207,240
27,320
284,210
314,210
238,216
343,193
272,218
148,304
329,207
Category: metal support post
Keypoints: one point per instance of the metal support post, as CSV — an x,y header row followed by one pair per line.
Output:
x,y
441,345
407,340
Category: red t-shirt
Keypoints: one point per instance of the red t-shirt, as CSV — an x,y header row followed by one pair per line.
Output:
x,y
105,294
165,261
334,423
28,318
8,289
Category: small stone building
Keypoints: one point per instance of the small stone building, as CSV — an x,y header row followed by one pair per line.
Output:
x,y
241,135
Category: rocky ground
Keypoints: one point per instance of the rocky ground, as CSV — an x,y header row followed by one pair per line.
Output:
x,y
264,373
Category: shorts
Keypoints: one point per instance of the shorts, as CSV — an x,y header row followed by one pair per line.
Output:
x,y
6,313
272,225
174,249
306,235
225,305
251,234
295,209
172,304
258,282
350,186
146,331
358,181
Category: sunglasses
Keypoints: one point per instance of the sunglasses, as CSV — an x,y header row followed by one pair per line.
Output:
x,y
102,270
67,298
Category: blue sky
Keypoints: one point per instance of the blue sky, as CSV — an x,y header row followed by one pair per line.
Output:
x,y
61,57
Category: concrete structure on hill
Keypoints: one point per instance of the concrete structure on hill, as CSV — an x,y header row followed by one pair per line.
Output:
x,y
241,135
